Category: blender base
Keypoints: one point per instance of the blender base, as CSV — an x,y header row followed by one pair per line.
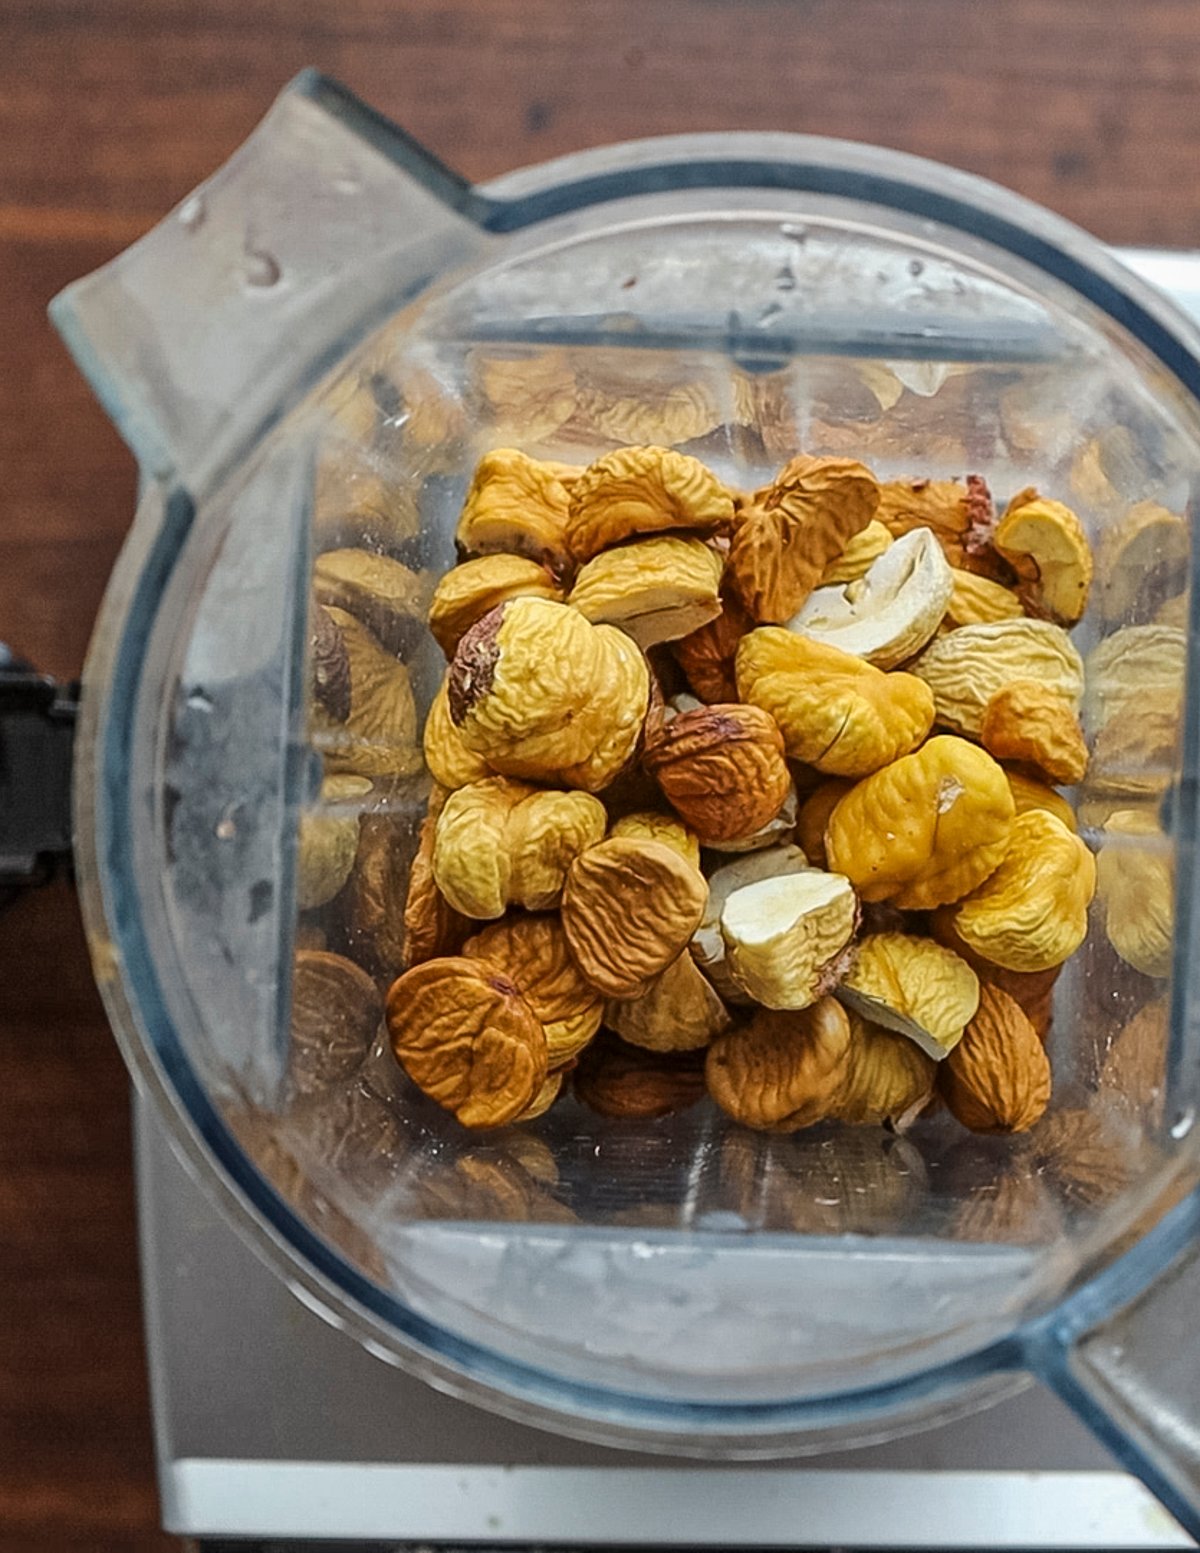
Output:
x,y
270,1425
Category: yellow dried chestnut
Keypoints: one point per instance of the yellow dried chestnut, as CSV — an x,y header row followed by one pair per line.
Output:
x,y
836,712
643,490
656,590
469,591
1031,912
501,843
517,505
926,829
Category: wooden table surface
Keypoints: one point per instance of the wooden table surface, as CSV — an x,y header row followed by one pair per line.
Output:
x,y
110,111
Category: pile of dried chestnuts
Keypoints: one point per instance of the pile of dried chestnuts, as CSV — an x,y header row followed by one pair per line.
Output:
x,y
750,794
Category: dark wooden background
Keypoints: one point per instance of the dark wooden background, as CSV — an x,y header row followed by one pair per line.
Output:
x,y
110,111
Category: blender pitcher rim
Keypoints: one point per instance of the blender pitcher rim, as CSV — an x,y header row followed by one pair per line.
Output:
x,y
155,1053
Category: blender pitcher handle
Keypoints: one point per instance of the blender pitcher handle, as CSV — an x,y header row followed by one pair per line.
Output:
x,y
1124,1355
322,224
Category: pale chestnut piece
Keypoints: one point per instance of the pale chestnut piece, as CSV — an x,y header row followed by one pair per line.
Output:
x,y
707,656
467,1038
888,1080
377,736
327,843
976,601
814,817
1143,557
336,1009
786,938
1031,912
776,832
517,505
1135,882
708,943
656,590
431,926
965,668
385,595
1030,794
643,490
629,908
1130,666
1045,545
997,1079
449,760
890,613
541,693
469,591
1029,722
784,1070
721,768
784,541
500,843
836,712
865,548
914,987
678,1012
926,829
646,825
532,952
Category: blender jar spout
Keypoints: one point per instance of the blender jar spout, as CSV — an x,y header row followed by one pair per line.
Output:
x,y
324,223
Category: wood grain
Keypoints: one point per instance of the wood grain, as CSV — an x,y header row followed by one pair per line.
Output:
x,y
110,111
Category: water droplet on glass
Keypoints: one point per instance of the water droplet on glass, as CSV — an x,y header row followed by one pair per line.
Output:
x,y
348,183
794,234
262,268
192,213
771,310
916,267
226,830
199,700
1184,1123
786,279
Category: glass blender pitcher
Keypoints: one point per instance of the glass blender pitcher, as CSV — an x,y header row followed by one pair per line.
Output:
x,y
311,353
